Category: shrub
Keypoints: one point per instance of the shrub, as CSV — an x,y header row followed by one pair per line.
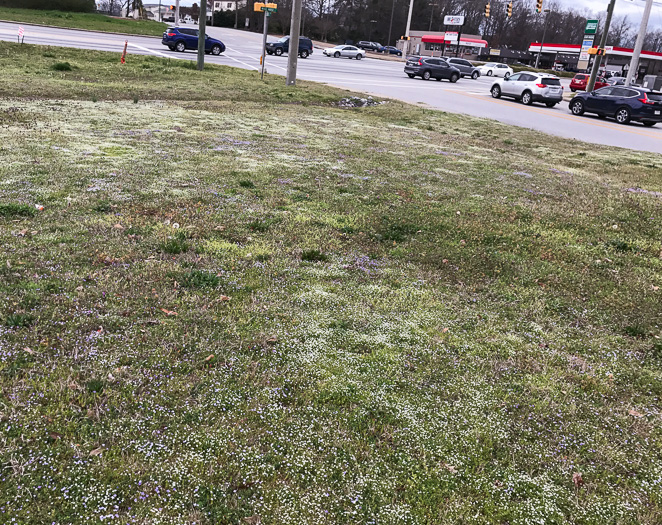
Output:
x,y
313,255
61,66
16,210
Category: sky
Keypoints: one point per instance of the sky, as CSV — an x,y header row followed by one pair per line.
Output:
x,y
633,9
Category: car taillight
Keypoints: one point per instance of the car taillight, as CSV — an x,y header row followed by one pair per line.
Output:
x,y
172,34
540,85
420,61
646,101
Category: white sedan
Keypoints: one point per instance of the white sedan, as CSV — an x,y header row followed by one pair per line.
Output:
x,y
495,69
344,51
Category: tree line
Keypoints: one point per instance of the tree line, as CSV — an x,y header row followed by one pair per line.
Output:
x,y
384,21
339,21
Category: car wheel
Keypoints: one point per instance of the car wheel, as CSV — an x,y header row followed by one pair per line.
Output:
x,y
573,90
648,124
426,75
496,91
304,54
337,54
475,75
278,51
270,52
577,107
359,56
550,104
527,99
180,46
216,50
623,115
506,75
171,47
489,73
410,75
453,78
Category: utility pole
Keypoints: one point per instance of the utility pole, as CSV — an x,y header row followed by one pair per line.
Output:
x,y
202,37
160,17
634,62
390,26
176,13
603,40
405,51
293,53
543,38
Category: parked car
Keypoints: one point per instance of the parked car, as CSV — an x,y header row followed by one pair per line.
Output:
x,y
344,51
623,103
427,68
619,81
390,50
282,45
580,81
530,87
183,38
467,69
495,69
370,46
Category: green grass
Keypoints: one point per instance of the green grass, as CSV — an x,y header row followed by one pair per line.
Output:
x,y
88,21
408,317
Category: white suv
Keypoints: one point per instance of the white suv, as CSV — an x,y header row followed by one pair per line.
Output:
x,y
530,87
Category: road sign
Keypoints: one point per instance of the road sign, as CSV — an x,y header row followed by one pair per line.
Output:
x,y
265,8
591,27
454,20
495,51
451,36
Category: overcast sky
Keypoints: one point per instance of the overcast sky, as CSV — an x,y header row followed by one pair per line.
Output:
x,y
633,9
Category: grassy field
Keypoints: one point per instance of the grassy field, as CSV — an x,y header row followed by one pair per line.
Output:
x,y
88,21
232,302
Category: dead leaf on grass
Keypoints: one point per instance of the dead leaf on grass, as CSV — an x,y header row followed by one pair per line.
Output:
x,y
577,479
634,413
96,451
168,312
449,468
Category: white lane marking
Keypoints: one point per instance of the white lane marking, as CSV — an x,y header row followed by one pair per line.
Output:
x,y
152,51
244,63
251,56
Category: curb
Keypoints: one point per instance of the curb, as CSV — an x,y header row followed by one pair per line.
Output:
x,y
76,29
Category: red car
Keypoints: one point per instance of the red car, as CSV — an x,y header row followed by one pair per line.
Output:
x,y
578,83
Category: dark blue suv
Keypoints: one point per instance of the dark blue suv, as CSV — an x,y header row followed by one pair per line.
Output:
x,y
183,38
623,103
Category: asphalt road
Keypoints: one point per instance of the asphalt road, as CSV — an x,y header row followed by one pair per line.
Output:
x,y
378,77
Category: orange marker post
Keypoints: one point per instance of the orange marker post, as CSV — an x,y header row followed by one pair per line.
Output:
x,y
126,43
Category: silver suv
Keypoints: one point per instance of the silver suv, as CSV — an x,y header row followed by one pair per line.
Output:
x,y
530,87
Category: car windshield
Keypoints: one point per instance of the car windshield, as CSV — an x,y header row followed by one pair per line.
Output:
x,y
284,39
580,77
490,64
657,97
551,82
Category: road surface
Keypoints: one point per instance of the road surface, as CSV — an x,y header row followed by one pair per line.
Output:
x,y
373,76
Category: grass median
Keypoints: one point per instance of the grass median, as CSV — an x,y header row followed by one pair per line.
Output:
x,y
227,301
87,21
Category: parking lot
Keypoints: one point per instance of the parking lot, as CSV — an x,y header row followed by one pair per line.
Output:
x,y
382,78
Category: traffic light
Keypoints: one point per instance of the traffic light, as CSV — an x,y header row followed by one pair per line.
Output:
x,y
600,51
172,7
487,10
510,9
539,6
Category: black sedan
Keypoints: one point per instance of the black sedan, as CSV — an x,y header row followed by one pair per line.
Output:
x,y
428,68
624,103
